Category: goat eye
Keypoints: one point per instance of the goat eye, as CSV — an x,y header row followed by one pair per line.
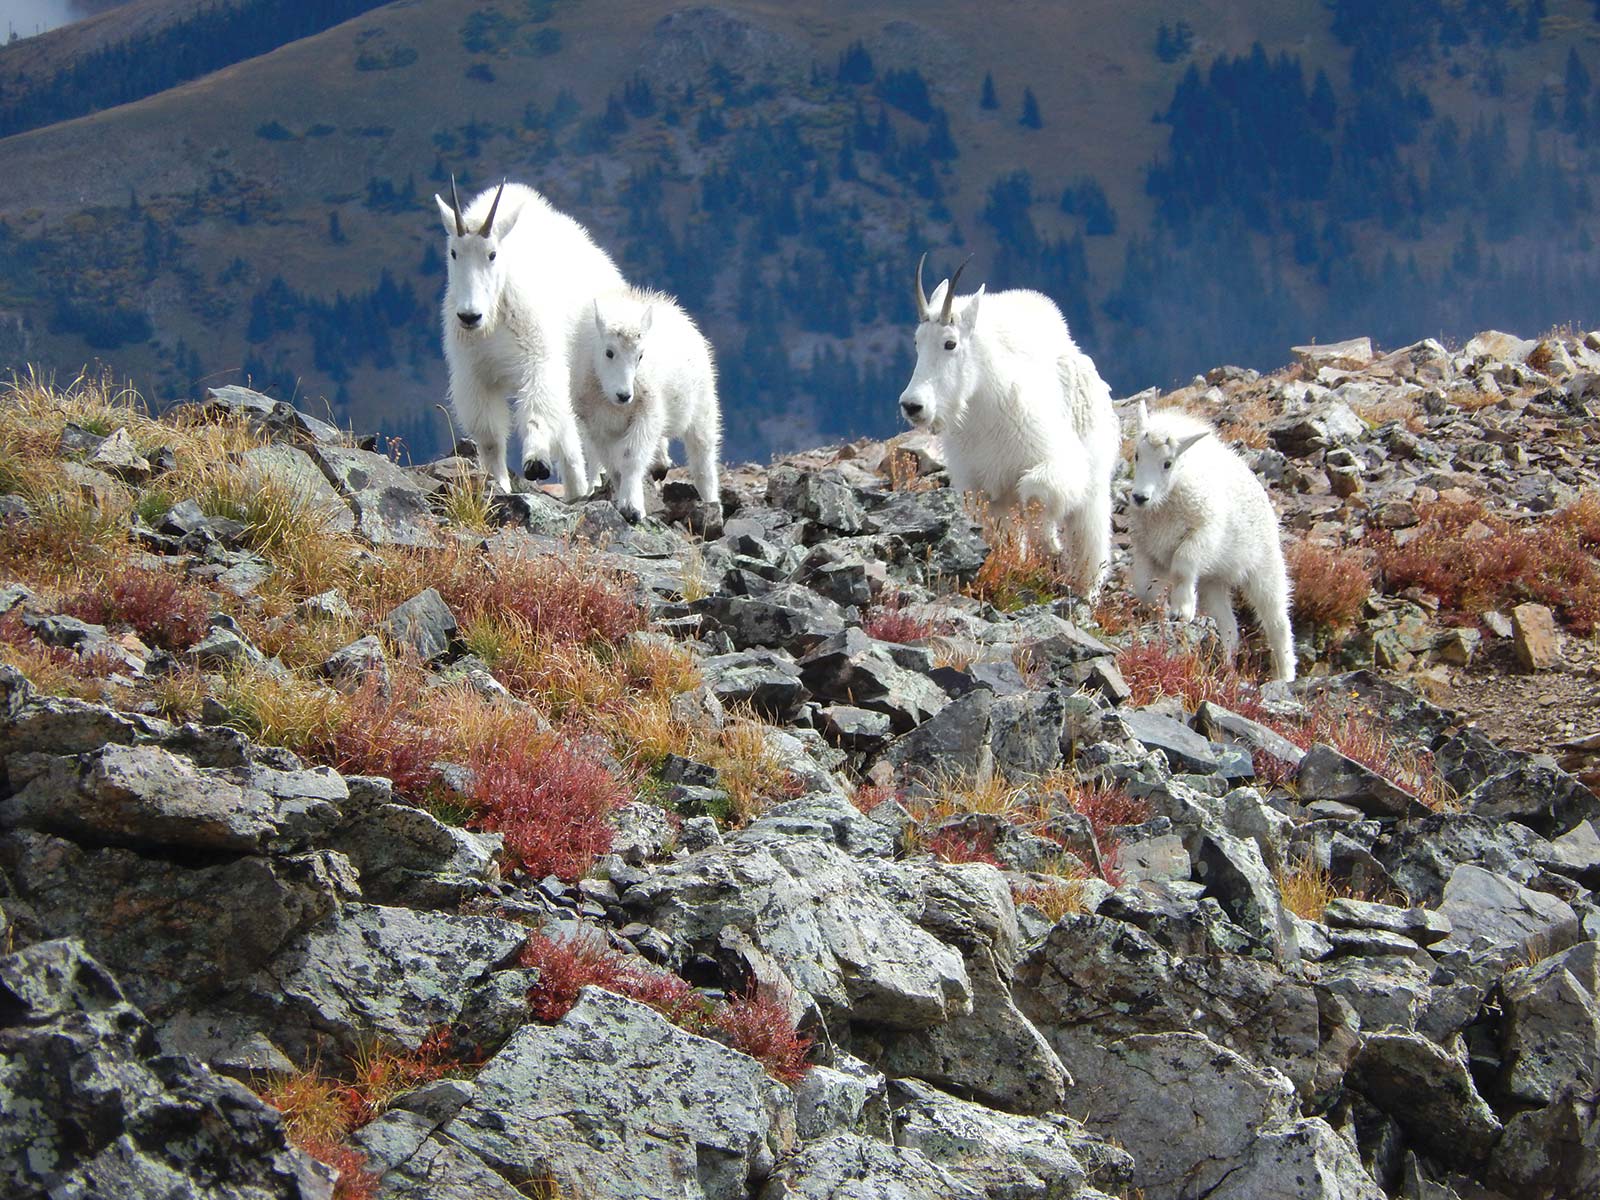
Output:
x,y
491,256
1167,466
950,345
609,354
452,254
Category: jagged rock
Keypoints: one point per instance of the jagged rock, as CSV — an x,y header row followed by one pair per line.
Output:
x,y
1422,855
1220,724
999,1154
1429,1092
416,1165
407,856
805,906
767,680
1421,926
172,932
852,668
371,970
1481,904
391,508
1185,749
293,471
1552,1025
1328,424
1534,635
1094,979
848,1097
1551,1153
117,455
952,744
827,816
616,1100
1304,1161
790,617
1233,871
1325,774
991,1052
423,623
854,728
1388,992
847,1166
824,501
1213,1105
279,421
360,661
94,1109
144,796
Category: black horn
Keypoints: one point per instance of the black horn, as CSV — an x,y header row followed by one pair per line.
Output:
x,y
488,222
922,297
950,292
455,204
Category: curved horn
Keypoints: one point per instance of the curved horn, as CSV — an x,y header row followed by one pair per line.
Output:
x,y
950,292
455,203
488,222
922,297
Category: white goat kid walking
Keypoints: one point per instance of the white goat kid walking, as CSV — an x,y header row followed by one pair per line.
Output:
x,y
520,275
642,372
1023,414
1202,523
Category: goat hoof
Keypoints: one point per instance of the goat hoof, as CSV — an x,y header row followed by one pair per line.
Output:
x,y
659,473
630,514
536,469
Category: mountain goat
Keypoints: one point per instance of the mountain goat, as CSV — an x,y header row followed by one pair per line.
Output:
x,y
520,276
629,402
1202,522
1023,414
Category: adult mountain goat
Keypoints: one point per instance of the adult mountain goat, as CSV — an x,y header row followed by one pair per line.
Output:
x,y
1201,522
642,372
1022,412
521,275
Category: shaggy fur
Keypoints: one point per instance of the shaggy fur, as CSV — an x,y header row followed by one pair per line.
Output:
x,y
642,373
1201,522
527,284
1023,414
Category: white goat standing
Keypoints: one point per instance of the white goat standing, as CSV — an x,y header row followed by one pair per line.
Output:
x,y
629,402
520,275
1022,412
1202,523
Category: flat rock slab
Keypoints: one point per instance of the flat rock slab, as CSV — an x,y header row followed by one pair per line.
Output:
x,y
616,1103
1481,904
1325,774
391,508
847,1166
1429,1092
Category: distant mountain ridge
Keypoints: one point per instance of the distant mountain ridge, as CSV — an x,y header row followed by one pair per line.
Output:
x,y
1192,183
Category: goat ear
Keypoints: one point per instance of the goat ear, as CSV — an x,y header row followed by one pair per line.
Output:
x,y
599,321
1142,418
1189,441
447,215
969,314
644,319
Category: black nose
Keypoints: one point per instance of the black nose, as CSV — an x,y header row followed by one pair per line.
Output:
x,y
624,397
912,408
536,469
469,319
1141,497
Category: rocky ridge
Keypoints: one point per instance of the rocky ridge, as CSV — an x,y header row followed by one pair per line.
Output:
x,y
1043,928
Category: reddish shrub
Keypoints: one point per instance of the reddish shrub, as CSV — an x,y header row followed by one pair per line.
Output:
x,y
1107,808
355,1181
955,845
1155,669
1110,860
890,622
380,734
869,795
1474,561
165,611
760,1026
550,802
567,965
1330,584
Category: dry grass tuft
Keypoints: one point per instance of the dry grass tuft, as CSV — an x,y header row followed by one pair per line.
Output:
x,y
1054,900
280,710
1306,888
52,670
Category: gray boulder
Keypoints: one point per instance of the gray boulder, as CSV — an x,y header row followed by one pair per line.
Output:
x,y
1306,1160
1551,1032
847,1166
391,508
424,624
620,1103
1507,916
1429,1091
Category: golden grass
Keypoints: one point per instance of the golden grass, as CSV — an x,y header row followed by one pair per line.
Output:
x,y
1054,900
51,671
179,694
1015,575
1306,888
312,1104
281,710
465,501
